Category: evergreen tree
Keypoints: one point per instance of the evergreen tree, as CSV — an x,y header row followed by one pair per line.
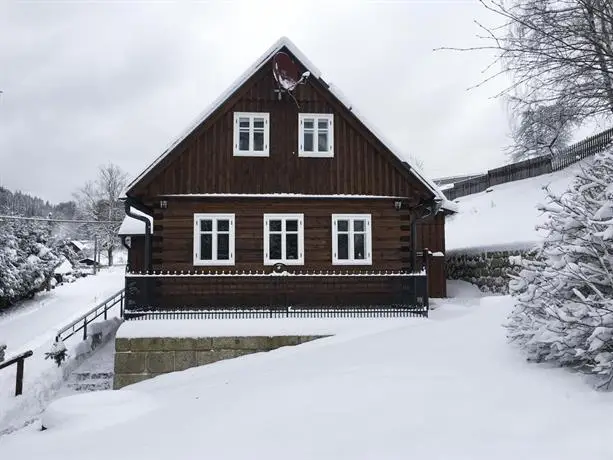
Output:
x,y
564,310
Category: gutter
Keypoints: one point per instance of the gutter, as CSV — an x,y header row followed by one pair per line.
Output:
x,y
133,203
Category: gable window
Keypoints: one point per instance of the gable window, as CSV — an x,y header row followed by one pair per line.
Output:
x,y
284,239
316,135
251,134
351,239
213,239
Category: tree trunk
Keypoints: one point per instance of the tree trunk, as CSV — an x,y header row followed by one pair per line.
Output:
x,y
110,256
599,49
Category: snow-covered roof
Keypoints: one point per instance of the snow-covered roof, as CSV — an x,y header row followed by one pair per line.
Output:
x,y
315,73
80,245
132,226
64,268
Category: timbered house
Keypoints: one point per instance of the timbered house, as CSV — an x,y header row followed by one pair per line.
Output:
x,y
281,195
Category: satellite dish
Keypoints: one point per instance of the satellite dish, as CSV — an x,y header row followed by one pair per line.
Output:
x,y
286,74
285,71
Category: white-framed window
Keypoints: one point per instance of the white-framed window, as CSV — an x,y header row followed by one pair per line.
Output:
x,y
251,134
213,239
284,239
316,135
351,239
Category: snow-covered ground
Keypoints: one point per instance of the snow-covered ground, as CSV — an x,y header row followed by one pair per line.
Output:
x,y
506,216
32,325
448,387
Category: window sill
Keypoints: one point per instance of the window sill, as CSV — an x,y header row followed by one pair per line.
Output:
x,y
352,262
316,155
213,263
252,154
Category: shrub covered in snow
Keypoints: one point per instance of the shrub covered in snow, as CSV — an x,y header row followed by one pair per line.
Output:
x,y
2,351
29,255
58,352
564,310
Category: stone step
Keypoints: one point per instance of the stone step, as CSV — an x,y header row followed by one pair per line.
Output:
x,y
98,385
92,375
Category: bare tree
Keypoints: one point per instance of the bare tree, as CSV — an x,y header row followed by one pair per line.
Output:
x,y
556,52
99,200
542,130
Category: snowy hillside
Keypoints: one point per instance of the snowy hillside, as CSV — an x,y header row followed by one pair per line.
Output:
x,y
449,387
507,215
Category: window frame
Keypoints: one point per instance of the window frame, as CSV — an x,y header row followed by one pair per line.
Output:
x,y
283,217
215,261
236,134
367,260
316,116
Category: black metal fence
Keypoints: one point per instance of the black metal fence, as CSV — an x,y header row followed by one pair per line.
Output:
x,y
193,296
532,167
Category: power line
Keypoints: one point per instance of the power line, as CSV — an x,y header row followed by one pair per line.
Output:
x,y
61,221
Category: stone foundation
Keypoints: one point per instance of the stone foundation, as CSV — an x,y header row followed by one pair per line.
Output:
x,y
138,359
489,270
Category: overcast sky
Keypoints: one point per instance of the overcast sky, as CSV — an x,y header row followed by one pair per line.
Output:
x,y
87,83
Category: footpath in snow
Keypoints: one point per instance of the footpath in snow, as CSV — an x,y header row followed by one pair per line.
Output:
x,y
32,325
447,387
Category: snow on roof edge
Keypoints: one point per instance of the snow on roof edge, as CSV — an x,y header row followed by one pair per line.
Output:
x,y
278,195
315,72
132,226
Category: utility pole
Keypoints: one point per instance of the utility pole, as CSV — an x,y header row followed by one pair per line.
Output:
x,y
95,252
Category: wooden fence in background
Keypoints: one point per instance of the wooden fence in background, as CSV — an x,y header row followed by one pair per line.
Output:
x,y
532,167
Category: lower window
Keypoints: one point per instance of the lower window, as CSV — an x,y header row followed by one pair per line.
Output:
x,y
284,239
351,239
213,239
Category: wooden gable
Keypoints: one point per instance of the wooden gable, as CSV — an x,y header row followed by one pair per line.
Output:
x,y
203,162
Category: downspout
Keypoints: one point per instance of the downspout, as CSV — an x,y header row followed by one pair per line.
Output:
x,y
132,203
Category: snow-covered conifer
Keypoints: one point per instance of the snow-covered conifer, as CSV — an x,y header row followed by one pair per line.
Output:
x,y
564,310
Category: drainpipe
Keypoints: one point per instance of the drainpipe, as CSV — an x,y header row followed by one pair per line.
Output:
x,y
132,203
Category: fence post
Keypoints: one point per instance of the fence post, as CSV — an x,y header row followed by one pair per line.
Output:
x,y
84,328
19,377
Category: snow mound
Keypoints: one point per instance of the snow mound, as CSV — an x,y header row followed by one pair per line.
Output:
x,y
96,410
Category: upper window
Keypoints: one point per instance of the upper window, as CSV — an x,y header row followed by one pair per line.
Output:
x,y
213,239
284,239
251,134
316,135
351,239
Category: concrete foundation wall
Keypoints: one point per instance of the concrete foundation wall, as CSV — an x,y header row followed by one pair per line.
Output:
x,y
138,359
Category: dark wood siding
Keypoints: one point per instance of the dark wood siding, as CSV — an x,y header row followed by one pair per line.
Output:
x,y
173,232
136,253
204,161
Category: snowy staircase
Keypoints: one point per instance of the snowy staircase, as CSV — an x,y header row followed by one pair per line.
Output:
x,y
81,382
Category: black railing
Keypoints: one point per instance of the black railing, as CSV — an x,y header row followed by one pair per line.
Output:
x,y
235,295
81,323
367,312
19,359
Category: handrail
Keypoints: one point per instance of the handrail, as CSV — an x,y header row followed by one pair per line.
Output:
x,y
101,309
19,359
